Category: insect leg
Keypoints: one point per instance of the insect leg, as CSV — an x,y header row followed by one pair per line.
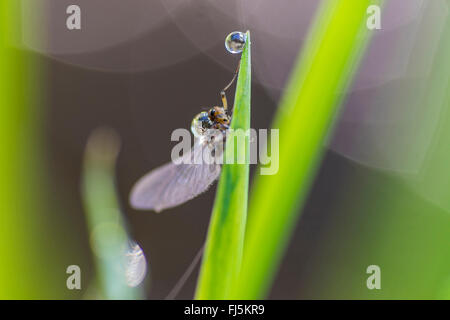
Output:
x,y
224,100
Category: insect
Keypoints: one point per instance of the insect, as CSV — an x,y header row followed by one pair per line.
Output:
x,y
175,183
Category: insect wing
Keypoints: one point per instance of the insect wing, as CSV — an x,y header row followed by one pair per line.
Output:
x,y
173,184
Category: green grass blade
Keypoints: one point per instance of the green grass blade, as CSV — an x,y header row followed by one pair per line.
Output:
x,y
224,245
306,113
27,237
108,232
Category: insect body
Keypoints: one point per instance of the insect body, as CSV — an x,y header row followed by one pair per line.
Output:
x,y
175,183
220,118
216,118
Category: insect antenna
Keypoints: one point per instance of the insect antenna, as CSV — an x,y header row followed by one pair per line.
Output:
x,y
222,93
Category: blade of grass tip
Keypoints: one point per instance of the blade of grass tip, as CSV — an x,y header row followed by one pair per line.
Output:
x,y
224,244
120,263
305,116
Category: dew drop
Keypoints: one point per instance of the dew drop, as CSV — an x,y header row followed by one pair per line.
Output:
x,y
235,42
199,124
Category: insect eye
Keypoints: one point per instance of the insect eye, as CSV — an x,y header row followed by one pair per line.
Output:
x,y
212,112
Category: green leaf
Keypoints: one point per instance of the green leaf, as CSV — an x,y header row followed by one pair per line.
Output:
x,y
322,73
110,241
224,245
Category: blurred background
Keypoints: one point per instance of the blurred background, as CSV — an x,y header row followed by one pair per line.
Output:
x,y
145,67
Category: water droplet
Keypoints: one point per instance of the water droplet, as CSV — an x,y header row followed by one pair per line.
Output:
x,y
136,267
199,124
235,42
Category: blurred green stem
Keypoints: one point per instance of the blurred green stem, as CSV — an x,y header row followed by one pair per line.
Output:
x,y
306,113
32,250
108,232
